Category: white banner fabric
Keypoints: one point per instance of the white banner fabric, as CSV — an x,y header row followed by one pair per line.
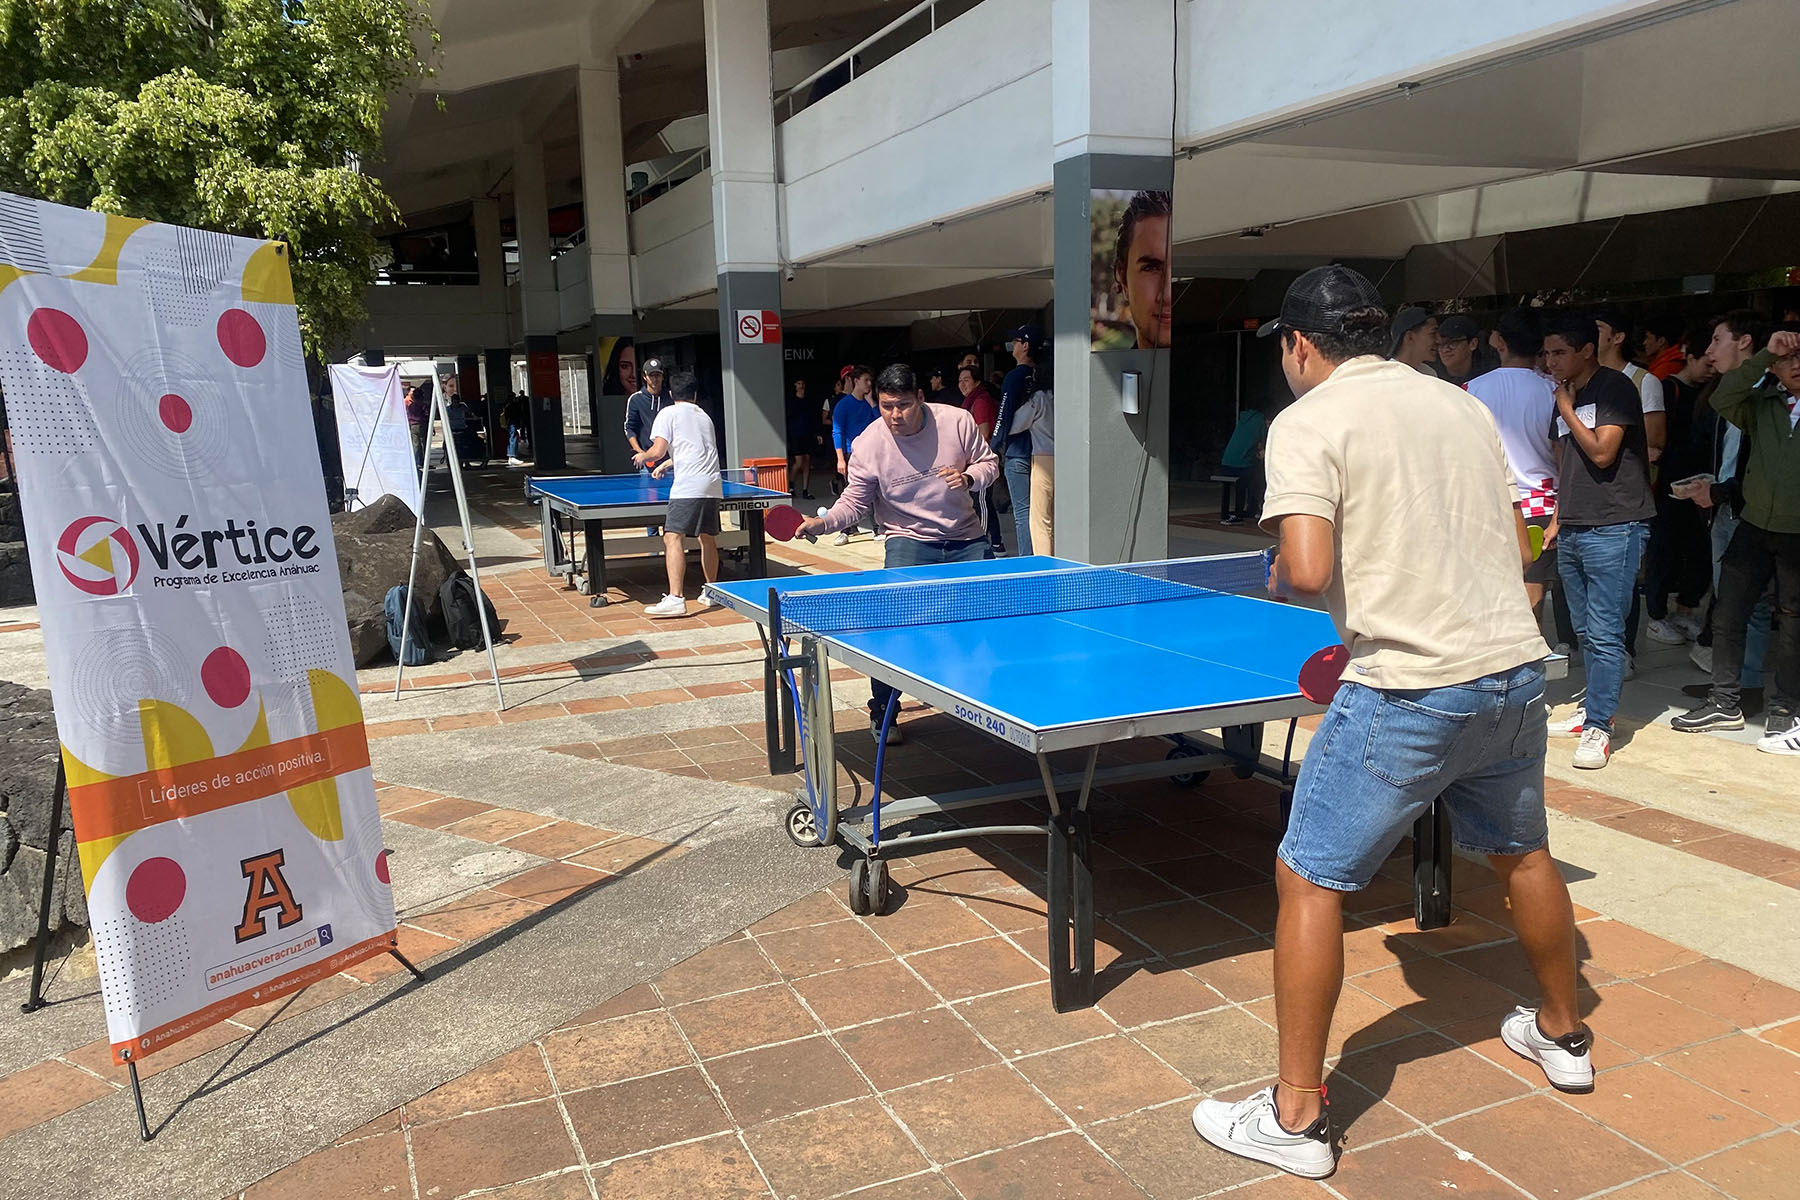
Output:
x,y
193,622
373,437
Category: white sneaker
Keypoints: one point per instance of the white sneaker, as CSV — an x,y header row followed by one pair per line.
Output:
x,y
1781,735
1251,1129
1690,623
1565,1060
1594,750
1667,632
515,462
705,602
1571,725
1701,656
842,539
668,606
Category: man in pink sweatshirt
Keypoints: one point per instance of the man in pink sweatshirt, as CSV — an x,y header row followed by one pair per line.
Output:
x,y
916,469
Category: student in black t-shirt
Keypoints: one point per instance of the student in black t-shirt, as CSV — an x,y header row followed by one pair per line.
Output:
x,y
1603,509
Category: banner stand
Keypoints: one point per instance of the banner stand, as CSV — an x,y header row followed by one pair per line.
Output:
x,y
440,416
35,1000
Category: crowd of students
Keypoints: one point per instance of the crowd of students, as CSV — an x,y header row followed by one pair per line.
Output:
x,y
1653,451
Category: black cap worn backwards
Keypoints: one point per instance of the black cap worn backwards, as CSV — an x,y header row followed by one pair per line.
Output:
x,y
1318,300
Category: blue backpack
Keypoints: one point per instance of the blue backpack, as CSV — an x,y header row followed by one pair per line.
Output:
x,y
418,642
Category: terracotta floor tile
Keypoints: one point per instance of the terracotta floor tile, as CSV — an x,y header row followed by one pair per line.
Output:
x,y
1784,1035
1252,906
1433,991
1415,1168
927,1186
718,1168
1360,1022
1671,1185
833,1150
1629,952
1663,828
366,1169
595,704
1548,1149
912,1048
643,1114
1135,995
532,712
1649,1023
1023,1022
1214,1050
1731,993
1505,964
474,720
436,814
1282,1187
814,909
1186,925
1765,1168
865,993
1009,910
1742,1068
639,744
1580,802
990,965
387,1122
393,799
50,1089
506,1080
497,824
1158,1150
777,1081
1100,1079
971,1113
1429,1077
1667,1114
658,696
639,998
570,1185
488,1149
559,839
743,1020
1065,1167
578,750
388,729
729,966
800,952
474,916
610,1051
551,882
924,922
1239,971
624,855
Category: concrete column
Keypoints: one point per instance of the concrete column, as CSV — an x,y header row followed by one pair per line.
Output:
x,y
531,214
497,366
490,254
746,238
1113,102
603,188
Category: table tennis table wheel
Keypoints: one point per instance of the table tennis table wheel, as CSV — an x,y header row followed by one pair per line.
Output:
x,y
802,828
868,886
1186,778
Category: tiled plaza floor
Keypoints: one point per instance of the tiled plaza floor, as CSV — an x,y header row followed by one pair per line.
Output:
x,y
914,1054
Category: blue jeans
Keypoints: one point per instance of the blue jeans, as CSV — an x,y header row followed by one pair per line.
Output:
x,y
1018,483
1756,633
1599,565
649,530
911,552
1380,757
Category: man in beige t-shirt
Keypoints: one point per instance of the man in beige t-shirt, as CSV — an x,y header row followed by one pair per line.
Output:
x,y
1391,495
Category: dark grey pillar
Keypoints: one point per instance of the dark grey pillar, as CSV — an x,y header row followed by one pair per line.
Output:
x,y
498,365
751,372
1112,470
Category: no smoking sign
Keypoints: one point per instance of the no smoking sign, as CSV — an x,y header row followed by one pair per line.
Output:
x,y
758,327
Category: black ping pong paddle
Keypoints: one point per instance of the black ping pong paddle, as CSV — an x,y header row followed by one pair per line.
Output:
x,y
1321,674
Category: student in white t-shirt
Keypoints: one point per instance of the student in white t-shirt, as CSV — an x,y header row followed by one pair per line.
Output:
x,y
683,441
1523,403
1615,347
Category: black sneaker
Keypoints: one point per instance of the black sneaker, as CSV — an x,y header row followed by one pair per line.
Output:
x,y
1779,723
1707,718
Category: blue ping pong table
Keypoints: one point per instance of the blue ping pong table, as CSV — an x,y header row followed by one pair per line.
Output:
x,y
1044,654
597,501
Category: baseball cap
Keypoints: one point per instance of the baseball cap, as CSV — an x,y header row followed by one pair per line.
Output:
x,y
1405,321
654,367
1457,327
1031,333
848,371
1317,301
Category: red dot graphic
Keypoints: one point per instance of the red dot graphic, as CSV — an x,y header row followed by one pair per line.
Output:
x,y
381,867
155,890
226,677
241,338
177,414
58,339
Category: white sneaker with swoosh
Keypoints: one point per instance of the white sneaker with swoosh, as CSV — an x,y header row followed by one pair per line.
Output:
x,y
1250,1128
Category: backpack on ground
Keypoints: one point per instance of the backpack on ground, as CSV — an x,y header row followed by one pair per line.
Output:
x,y
418,641
462,619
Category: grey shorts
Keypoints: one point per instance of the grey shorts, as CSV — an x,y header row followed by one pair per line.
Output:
x,y
693,517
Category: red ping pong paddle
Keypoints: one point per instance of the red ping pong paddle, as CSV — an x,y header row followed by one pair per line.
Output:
x,y
1321,674
783,522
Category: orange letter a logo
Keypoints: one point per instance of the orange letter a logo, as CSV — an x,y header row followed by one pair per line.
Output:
x,y
268,889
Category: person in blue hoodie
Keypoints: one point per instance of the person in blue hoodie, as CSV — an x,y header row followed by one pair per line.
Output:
x,y
1027,344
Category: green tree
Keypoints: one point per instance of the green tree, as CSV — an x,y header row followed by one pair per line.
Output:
x,y
245,116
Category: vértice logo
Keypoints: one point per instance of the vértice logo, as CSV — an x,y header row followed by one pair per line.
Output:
x,y
97,555
100,556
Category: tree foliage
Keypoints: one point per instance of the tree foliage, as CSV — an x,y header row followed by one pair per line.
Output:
x,y
245,116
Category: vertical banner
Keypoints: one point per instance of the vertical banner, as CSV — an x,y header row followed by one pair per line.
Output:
x,y
1132,270
373,436
193,622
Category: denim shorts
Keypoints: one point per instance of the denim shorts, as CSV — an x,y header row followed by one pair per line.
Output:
x,y
1380,757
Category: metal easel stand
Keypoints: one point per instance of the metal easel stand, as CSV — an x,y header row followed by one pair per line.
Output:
x,y
47,897
440,415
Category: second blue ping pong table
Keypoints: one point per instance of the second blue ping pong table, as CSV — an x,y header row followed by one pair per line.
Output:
x,y
597,501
